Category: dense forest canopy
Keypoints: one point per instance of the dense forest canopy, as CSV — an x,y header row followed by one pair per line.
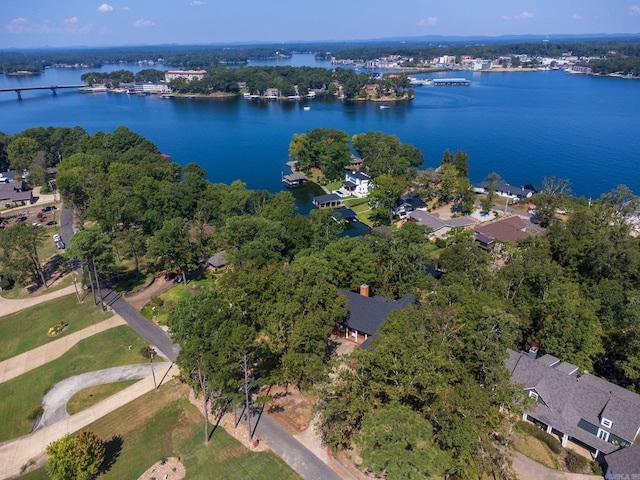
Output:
x,y
436,365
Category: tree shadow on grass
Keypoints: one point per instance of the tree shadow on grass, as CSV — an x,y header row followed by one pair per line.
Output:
x,y
113,450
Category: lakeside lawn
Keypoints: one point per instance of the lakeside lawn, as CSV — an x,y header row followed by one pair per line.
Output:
x,y
21,396
162,424
26,330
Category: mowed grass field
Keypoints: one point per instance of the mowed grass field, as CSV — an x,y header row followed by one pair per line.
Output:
x,y
21,396
163,424
26,330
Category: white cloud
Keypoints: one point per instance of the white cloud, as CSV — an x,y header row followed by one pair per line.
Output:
x,y
143,23
428,21
126,9
105,7
576,16
505,17
196,3
71,21
16,25
524,14
634,10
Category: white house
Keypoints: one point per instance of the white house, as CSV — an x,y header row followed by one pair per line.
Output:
x,y
357,184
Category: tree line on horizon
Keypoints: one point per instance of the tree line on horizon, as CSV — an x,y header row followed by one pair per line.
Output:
x,y
212,56
425,398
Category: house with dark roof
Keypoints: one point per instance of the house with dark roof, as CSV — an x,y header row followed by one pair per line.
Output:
x,y
585,410
218,260
624,463
503,189
331,200
366,313
508,229
13,193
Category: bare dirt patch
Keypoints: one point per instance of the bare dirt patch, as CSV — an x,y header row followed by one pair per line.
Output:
x,y
291,403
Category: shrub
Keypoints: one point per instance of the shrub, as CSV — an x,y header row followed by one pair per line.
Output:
x,y
575,462
549,440
35,414
596,469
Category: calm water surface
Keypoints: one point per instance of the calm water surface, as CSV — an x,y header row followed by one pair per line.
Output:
x,y
525,126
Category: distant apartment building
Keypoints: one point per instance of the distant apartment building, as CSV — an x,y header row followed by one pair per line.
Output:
x,y
151,87
188,75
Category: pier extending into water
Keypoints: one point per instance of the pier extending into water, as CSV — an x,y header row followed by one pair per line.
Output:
x,y
53,88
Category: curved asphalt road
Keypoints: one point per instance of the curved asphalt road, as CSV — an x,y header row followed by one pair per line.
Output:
x,y
55,401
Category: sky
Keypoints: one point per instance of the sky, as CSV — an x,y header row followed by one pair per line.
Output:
x,y
63,23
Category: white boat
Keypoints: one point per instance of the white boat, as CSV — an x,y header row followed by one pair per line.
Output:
x,y
306,109
382,107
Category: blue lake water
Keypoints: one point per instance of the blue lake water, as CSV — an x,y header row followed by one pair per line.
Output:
x,y
525,126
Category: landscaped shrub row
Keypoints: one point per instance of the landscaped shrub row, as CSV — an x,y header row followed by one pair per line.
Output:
x,y
549,440
575,462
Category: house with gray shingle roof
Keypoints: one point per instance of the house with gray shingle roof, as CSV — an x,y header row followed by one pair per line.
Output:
x,y
366,313
588,411
624,463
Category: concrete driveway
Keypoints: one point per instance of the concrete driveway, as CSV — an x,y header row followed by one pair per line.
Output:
x,y
55,401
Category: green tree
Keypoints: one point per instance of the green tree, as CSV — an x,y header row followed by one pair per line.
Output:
x,y
21,152
487,201
76,458
171,247
19,255
397,442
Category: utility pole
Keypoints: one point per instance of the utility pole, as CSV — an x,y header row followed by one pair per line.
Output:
x,y
246,392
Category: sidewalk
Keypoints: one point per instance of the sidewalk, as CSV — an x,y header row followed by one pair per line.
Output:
x,y
16,366
9,306
18,452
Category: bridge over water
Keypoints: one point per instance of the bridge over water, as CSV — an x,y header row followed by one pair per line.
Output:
x,y
53,88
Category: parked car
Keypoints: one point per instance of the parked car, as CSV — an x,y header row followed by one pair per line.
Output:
x,y
36,224
21,219
51,222
48,208
60,244
56,237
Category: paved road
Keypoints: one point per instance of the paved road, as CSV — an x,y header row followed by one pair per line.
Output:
x,y
528,469
296,455
154,335
55,401
66,224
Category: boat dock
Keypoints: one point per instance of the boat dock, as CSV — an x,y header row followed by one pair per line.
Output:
x,y
442,82
294,179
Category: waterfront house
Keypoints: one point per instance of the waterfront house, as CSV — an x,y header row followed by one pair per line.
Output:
x,y
356,184
503,189
272,93
331,200
366,313
584,410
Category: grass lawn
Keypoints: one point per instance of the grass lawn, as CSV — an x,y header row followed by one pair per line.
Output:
x,y
165,303
334,186
363,213
162,424
25,330
536,450
92,395
351,202
21,396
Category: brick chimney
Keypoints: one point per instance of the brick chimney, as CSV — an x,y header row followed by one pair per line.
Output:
x,y
364,290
